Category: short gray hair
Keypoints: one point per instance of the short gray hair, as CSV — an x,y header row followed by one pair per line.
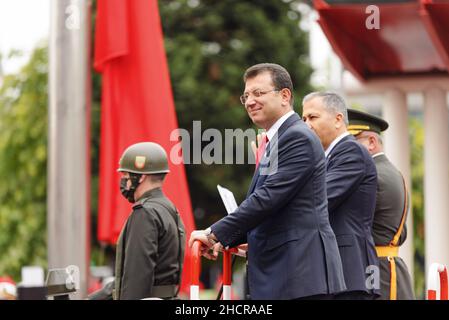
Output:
x,y
332,101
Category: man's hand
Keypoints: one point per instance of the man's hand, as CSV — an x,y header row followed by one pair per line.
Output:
x,y
216,248
208,243
201,236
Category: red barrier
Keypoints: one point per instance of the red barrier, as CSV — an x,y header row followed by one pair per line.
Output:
x,y
437,279
196,267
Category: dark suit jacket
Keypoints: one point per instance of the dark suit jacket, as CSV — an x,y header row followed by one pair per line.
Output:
x,y
351,192
292,249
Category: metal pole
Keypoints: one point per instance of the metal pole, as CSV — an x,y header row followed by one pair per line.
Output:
x,y
68,197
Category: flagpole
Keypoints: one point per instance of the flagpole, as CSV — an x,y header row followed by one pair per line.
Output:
x,y
68,191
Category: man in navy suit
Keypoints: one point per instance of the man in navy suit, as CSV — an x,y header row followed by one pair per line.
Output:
x,y
351,181
292,250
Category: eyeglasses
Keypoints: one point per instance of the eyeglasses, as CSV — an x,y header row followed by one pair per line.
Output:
x,y
256,93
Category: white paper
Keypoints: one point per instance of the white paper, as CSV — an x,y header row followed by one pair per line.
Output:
x,y
231,205
228,199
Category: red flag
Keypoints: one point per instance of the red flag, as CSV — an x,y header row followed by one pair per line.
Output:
x,y
137,105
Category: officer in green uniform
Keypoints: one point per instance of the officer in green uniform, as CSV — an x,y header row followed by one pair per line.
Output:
x,y
150,249
389,230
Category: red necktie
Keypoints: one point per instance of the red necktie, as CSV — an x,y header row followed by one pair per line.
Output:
x,y
261,150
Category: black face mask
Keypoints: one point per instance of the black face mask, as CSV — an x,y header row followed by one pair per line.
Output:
x,y
129,193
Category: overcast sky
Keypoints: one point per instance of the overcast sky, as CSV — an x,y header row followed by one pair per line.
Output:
x,y
23,23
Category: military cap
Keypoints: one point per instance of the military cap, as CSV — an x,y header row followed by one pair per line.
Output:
x,y
361,121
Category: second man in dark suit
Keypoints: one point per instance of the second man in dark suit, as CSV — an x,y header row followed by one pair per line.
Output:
x,y
351,180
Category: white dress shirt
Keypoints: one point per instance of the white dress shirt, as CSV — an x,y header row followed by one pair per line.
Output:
x,y
336,140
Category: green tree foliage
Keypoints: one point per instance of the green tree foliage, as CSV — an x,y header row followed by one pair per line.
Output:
x,y
209,45
417,166
23,164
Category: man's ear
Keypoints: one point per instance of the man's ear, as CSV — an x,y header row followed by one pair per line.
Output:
x,y
339,121
286,96
372,143
142,178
